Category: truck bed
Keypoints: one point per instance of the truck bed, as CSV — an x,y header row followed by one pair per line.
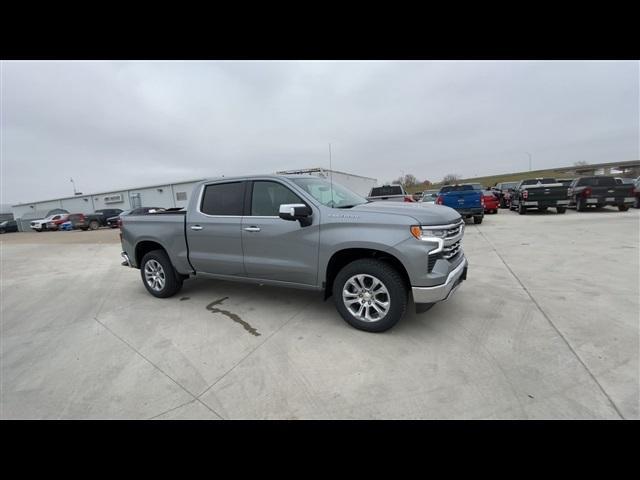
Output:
x,y
167,228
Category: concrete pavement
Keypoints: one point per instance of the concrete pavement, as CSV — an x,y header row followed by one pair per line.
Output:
x,y
546,326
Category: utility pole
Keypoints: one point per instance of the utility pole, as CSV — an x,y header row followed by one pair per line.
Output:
x,y
529,160
74,187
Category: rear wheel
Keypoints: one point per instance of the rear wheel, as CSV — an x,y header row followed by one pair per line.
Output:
x,y
542,209
623,208
561,209
477,219
94,225
636,204
581,205
158,275
521,209
370,295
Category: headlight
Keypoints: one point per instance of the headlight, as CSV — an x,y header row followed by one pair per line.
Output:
x,y
434,236
428,234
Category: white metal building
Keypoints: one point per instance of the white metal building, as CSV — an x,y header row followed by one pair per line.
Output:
x,y
169,195
356,183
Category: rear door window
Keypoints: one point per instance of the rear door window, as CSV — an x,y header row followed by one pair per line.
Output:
x,y
223,199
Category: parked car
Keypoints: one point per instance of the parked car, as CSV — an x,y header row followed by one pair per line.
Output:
x,y
429,196
464,199
41,225
539,193
500,190
599,191
55,211
55,223
8,226
300,231
393,193
491,202
636,193
99,217
624,181
78,221
114,222
564,181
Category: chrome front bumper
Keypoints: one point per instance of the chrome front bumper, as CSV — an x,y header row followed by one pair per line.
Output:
x,y
442,292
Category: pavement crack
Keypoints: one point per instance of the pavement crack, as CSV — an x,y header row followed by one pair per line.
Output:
x,y
195,398
553,325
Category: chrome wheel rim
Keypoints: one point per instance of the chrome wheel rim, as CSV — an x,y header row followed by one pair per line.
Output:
x,y
154,275
366,298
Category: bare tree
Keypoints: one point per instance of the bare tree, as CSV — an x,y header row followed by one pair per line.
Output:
x,y
580,163
450,178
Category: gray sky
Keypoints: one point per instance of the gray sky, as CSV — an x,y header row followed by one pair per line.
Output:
x,y
125,124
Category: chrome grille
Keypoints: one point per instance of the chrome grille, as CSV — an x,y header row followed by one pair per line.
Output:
x,y
450,251
455,230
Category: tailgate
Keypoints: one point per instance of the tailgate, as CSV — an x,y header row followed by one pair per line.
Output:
x,y
462,199
547,193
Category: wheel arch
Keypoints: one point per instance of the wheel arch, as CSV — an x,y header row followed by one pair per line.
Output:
x,y
344,256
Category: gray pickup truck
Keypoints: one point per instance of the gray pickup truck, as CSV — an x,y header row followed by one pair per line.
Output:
x,y
303,232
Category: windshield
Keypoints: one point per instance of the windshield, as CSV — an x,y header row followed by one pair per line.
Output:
x,y
456,188
321,189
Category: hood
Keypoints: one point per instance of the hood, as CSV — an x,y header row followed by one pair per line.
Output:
x,y
424,213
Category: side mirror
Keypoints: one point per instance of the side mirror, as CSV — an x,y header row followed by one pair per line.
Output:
x,y
296,211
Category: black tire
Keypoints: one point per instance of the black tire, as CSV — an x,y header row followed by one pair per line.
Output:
x,y
561,209
94,225
172,280
581,205
542,209
623,208
391,279
521,209
636,204
477,219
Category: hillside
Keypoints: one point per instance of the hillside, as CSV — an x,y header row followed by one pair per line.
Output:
x,y
491,180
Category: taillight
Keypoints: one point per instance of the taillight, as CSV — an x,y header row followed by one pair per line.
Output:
x,y
586,192
439,200
408,198
119,221
525,194
482,201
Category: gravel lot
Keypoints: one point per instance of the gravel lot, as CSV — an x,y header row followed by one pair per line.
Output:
x,y
546,326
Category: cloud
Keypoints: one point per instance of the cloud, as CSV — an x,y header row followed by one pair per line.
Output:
x,y
111,124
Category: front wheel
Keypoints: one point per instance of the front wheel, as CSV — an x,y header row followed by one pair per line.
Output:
x,y
370,295
623,208
477,219
521,209
94,225
158,275
561,209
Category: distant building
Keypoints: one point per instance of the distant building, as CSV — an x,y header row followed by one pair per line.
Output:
x,y
168,195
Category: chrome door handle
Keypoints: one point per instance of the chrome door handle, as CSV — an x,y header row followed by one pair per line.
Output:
x,y
252,229
196,227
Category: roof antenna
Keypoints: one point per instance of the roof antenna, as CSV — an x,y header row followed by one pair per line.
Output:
x,y
331,175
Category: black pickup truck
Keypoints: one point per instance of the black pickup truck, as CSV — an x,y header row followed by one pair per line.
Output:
x,y
99,217
599,191
540,193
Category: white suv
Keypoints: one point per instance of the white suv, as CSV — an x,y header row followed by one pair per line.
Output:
x,y
40,225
